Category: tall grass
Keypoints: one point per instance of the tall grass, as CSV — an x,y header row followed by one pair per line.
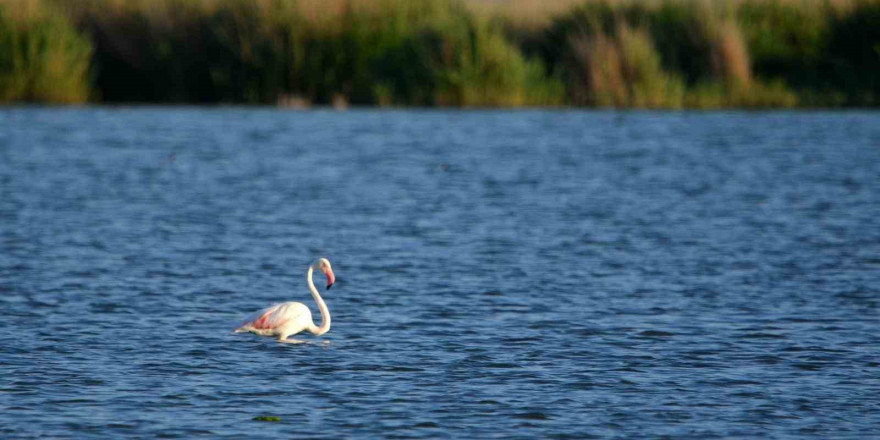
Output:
x,y
621,53
42,57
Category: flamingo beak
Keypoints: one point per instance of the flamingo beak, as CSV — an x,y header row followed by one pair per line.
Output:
x,y
330,277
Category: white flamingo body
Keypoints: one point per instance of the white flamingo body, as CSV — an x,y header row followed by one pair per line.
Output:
x,y
289,318
279,320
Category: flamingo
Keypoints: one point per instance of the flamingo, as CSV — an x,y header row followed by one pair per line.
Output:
x,y
289,318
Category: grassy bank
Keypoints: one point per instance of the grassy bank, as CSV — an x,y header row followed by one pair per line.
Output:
x,y
646,54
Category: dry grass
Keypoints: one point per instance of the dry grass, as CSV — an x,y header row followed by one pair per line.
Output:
x,y
622,70
730,57
598,71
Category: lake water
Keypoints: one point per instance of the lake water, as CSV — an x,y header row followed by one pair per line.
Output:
x,y
523,274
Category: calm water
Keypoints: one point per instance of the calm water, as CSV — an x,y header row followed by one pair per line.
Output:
x,y
500,274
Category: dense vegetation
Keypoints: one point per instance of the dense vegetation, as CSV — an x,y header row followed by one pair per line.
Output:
x,y
651,54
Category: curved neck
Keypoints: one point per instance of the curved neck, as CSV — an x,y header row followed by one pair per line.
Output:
x,y
325,312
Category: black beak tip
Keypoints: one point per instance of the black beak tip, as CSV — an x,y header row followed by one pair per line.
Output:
x,y
329,286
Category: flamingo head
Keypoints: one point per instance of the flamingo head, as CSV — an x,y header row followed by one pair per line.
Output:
x,y
324,266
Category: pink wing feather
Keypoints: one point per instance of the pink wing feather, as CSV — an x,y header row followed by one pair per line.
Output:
x,y
272,317
268,318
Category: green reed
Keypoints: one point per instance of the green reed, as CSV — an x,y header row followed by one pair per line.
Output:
x,y
42,57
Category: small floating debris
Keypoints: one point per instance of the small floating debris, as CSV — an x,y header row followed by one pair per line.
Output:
x,y
267,419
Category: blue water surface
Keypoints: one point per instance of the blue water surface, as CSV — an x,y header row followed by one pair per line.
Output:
x,y
501,274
